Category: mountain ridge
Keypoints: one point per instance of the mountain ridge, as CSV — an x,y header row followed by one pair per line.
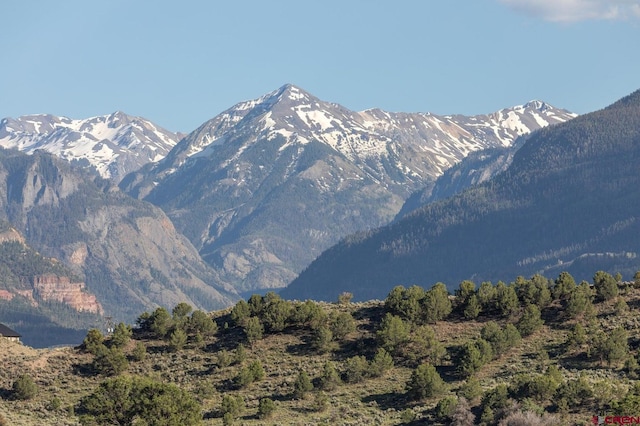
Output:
x,y
113,145
536,216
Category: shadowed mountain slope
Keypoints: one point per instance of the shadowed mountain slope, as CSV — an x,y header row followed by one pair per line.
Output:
x,y
570,200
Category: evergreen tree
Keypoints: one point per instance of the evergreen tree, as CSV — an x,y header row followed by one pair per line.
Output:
x,y
473,308
93,341
487,296
253,329
240,313
564,286
322,340
393,333
202,323
530,320
110,361
506,299
606,286
266,407
121,335
355,369
177,340
436,305
425,382
580,300
342,324
160,322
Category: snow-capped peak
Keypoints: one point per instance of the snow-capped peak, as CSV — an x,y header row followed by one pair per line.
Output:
x,y
113,144
289,116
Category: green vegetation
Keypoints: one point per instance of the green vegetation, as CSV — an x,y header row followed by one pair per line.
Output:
x,y
391,365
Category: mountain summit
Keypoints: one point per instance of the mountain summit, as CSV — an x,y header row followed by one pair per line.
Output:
x,y
114,144
268,184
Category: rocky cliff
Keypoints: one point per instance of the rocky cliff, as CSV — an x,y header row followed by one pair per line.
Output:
x,y
50,287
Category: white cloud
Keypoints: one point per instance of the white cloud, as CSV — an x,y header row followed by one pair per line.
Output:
x,y
577,10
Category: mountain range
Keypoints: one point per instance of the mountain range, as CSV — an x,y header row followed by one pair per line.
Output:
x,y
114,145
567,201
124,253
266,186
242,204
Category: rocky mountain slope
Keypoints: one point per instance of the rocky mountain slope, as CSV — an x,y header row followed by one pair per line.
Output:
x,y
267,185
568,200
40,296
114,144
127,252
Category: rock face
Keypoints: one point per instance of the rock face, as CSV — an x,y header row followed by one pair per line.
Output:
x,y
51,287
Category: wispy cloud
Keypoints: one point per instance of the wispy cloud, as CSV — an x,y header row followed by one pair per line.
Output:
x,y
577,10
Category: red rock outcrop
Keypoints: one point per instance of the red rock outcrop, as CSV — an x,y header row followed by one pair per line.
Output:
x,y
51,287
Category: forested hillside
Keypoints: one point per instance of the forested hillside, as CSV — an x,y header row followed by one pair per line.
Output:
x,y
536,351
568,201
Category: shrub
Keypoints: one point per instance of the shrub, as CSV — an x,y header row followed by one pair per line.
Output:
x,y
24,388
344,298
121,335
355,369
266,407
232,406
224,358
320,402
462,415
330,379
445,408
139,352
302,385
381,363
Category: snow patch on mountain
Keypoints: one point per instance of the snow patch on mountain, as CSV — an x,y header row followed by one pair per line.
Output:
x,y
114,144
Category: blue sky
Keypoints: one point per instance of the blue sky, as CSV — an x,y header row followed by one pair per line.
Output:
x,y
181,63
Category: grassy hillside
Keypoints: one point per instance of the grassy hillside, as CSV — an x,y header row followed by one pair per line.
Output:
x,y
577,358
